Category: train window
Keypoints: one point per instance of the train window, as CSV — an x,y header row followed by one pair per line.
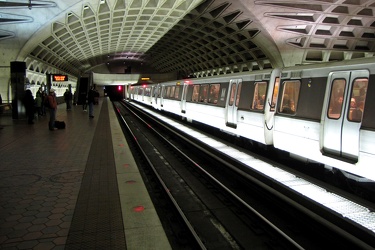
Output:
x,y
232,93
177,92
238,93
214,93
171,93
167,92
290,97
195,93
203,93
222,95
357,100
147,91
259,96
275,93
336,98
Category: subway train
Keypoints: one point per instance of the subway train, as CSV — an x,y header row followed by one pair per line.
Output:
x,y
320,113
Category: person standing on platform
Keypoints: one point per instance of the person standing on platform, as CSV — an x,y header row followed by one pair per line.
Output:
x,y
1,109
39,101
29,103
75,98
44,98
1,102
91,100
84,103
68,99
52,106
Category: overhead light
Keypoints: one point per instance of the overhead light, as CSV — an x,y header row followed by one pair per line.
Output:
x,y
86,7
102,1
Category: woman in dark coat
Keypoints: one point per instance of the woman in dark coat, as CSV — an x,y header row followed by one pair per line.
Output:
x,y
29,103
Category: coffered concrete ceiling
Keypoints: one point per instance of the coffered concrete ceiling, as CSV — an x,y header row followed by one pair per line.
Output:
x,y
192,37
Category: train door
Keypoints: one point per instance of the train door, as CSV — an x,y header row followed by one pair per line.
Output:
x,y
232,102
155,94
270,105
183,98
137,92
131,92
142,94
162,93
152,94
342,114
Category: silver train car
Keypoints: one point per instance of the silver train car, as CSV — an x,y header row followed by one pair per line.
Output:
x,y
318,113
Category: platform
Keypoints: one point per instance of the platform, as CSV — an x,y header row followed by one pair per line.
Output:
x,y
76,188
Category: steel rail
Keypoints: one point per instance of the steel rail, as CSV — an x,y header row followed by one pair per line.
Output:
x,y
166,189
269,223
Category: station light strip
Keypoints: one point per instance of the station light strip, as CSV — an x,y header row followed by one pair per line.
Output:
x,y
348,209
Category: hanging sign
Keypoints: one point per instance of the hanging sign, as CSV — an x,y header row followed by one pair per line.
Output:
x,y
59,78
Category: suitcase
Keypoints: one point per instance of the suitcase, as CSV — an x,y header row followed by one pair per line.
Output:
x,y
59,124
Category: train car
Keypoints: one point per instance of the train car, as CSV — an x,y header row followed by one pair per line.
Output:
x,y
332,119
148,93
321,113
225,103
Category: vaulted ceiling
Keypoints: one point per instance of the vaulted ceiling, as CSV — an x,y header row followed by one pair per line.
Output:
x,y
193,37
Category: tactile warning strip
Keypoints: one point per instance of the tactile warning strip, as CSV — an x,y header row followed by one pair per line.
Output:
x,y
97,219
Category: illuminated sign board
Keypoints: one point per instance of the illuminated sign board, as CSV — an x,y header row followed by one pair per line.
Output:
x,y
59,78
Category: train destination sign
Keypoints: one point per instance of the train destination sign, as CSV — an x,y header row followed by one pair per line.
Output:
x,y
59,78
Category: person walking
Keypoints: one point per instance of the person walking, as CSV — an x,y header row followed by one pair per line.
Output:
x,y
52,106
29,103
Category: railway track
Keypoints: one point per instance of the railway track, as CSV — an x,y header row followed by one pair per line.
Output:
x,y
208,200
